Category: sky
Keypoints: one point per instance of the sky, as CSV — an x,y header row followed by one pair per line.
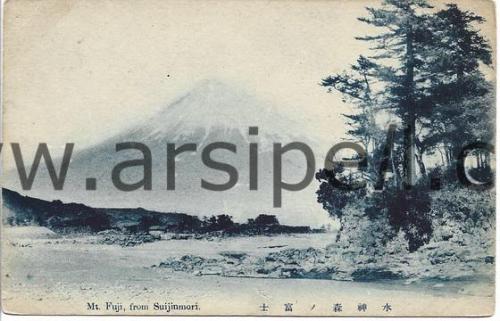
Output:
x,y
82,71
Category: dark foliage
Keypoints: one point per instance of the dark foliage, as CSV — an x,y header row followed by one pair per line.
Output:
x,y
409,211
266,220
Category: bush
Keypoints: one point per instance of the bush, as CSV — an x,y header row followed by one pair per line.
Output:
x,y
371,221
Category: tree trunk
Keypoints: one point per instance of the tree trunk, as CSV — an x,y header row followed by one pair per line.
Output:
x,y
421,164
409,104
442,157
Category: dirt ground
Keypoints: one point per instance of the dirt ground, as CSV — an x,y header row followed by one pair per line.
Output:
x,y
46,274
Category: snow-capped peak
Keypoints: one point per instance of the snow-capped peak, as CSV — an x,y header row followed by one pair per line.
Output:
x,y
212,104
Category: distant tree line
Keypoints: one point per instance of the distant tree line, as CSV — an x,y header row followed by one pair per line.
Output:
x,y
73,217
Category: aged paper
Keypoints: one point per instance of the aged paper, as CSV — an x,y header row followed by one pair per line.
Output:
x,y
267,158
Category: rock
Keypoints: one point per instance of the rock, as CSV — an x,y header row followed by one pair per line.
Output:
x,y
127,240
374,274
234,255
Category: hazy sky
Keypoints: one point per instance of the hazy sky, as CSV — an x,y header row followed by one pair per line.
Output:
x,y
80,71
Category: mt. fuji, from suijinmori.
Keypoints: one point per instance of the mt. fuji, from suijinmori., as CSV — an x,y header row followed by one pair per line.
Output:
x,y
211,112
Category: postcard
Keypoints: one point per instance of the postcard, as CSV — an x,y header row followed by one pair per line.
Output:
x,y
250,158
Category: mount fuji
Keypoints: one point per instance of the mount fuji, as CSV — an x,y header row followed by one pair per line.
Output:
x,y
211,112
